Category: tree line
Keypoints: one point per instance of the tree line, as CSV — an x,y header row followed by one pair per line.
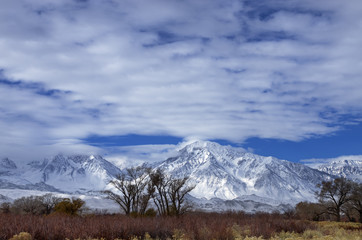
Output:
x,y
137,187
141,191
336,199
44,205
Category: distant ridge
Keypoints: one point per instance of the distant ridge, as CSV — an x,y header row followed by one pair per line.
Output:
x,y
347,168
226,172
226,178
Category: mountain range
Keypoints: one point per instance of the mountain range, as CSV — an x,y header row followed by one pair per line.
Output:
x,y
224,177
347,168
76,173
228,173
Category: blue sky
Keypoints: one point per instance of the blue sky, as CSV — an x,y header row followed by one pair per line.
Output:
x,y
137,79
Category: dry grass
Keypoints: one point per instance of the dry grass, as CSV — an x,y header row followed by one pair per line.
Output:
x,y
201,226
326,231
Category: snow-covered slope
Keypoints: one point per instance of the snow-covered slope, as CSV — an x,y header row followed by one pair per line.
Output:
x,y
347,168
249,203
6,164
239,179
76,173
227,173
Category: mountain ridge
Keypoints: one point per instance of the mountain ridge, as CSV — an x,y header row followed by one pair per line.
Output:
x,y
65,173
229,173
237,178
347,168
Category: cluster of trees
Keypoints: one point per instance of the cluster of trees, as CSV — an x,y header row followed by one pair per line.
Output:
x,y
139,190
43,205
337,198
138,186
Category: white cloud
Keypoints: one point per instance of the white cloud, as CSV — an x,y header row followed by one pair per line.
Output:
x,y
129,156
177,68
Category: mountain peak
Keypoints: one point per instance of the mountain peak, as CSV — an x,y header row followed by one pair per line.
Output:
x,y
348,168
228,172
79,172
7,163
203,144
212,147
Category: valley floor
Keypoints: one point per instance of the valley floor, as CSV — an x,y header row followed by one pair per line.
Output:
x,y
190,226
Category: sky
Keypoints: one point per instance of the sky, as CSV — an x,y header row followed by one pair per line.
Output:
x,y
133,79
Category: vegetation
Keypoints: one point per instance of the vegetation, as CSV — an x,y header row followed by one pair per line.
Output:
x,y
311,211
131,185
188,226
49,217
169,194
334,195
22,236
354,207
43,205
69,206
340,196
36,205
137,186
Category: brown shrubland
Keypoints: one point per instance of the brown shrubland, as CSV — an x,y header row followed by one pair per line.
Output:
x,y
191,226
48,217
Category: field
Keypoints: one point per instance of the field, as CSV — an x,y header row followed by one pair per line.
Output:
x,y
190,226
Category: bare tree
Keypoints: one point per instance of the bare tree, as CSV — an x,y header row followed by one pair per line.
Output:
x,y
29,205
5,207
356,200
334,195
49,201
169,194
136,187
177,192
133,192
36,204
310,211
160,185
140,197
145,199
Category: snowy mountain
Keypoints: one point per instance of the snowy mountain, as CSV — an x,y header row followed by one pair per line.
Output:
x,y
348,168
6,163
6,166
227,173
77,173
247,203
225,178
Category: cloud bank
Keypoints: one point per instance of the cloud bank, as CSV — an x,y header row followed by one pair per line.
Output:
x,y
192,69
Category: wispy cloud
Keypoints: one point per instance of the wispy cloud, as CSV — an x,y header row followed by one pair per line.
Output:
x,y
129,156
205,69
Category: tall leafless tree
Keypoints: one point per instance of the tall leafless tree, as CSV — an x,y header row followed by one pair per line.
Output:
x,y
29,205
177,192
160,184
137,186
131,185
169,194
356,200
334,195
49,201
310,211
